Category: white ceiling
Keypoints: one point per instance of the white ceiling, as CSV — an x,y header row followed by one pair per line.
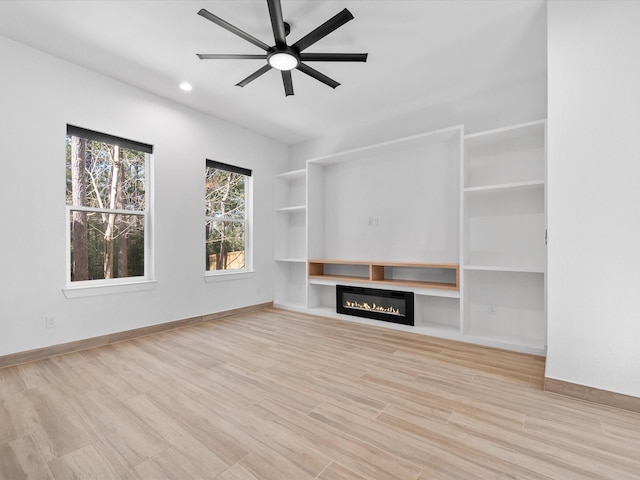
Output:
x,y
421,53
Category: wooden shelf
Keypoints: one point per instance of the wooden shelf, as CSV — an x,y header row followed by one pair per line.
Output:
x,y
421,275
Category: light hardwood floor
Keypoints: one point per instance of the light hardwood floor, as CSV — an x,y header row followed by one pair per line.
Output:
x,y
280,395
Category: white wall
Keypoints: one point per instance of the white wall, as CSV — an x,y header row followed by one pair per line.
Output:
x,y
39,95
412,195
594,194
509,105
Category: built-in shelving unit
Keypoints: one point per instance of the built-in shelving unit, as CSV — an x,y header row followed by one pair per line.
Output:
x,y
290,244
460,221
504,230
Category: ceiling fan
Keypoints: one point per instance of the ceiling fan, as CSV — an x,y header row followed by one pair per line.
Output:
x,y
285,57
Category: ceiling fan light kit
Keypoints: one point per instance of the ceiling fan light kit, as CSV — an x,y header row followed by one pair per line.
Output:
x,y
285,57
283,60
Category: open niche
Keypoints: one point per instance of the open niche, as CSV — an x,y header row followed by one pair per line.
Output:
x,y
388,216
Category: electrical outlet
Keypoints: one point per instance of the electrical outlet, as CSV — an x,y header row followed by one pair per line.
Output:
x,y
373,221
491,310
50,321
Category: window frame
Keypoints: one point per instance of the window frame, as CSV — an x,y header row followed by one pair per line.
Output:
x,y
81,288
247,270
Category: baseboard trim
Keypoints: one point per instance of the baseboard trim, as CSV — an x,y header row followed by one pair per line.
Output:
x,y
93,342
590,394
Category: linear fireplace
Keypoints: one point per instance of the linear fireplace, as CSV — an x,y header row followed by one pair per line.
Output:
x,y
387,305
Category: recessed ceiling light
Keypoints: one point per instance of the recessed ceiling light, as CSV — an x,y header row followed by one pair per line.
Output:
x,y
186,86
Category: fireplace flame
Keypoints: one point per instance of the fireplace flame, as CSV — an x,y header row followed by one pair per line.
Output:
x,y
372,307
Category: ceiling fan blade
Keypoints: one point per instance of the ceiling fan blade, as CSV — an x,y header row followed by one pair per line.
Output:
x,y
254,75
277,23
317,75
229,56
323,30
333,57
288,83
233,29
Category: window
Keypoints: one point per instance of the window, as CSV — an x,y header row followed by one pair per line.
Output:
x,y
107,207
227,190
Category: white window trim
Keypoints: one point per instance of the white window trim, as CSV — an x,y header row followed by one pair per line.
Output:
x,y
226,275
132,284
247,271
89,288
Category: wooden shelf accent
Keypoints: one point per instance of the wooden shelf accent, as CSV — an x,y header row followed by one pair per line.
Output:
x,y
376,273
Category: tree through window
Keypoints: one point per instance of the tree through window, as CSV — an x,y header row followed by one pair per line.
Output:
x,y
106,205
226,195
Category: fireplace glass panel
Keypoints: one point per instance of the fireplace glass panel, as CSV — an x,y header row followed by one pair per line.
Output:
x,y
388,305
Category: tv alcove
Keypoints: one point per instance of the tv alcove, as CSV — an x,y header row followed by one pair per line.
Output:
x,y
458,220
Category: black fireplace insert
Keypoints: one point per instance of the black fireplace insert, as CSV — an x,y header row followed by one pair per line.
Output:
x,y
388,305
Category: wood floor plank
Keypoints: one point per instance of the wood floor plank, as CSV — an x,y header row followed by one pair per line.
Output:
x,y
87,463
170,464
126,435
354,453
21,459
199,420
275,394
32,374
420,451
205,460
11,381
238,472
45,415
336,471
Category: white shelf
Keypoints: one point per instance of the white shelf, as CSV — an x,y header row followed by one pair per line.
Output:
x,y
429,292
391,147
292,209
505,133
502,268
506,186
291,260
292,175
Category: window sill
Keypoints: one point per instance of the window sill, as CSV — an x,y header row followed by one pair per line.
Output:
x,y
108,289
227,275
